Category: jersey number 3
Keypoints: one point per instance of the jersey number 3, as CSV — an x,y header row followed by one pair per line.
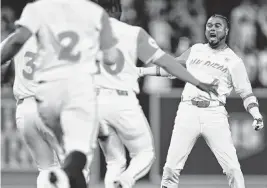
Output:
x,y
68,40
30,66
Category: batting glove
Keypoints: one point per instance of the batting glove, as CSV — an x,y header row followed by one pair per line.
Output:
x,y
258,124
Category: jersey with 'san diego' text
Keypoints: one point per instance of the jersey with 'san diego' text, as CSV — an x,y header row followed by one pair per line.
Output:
x,y
133,43
223,66
24,85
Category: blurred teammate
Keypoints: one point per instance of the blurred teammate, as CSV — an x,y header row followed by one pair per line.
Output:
x,y
37,137
199,115
121,117
69,35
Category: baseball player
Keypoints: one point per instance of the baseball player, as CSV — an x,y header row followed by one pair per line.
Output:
x,y
120,115
201,115
69,35
37,137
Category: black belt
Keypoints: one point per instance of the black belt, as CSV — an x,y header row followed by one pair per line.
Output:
x,y
20,101
204,103
119,92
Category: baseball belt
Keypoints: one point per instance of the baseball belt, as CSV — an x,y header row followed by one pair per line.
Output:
x,y
119,92
204,103
20,101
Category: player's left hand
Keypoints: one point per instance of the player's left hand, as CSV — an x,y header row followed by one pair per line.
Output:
x,y
209,88
258,124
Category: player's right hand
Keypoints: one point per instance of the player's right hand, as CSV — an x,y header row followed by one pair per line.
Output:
x,y
209,88
258,124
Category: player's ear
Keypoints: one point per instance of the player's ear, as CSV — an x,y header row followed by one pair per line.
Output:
x,y
227,31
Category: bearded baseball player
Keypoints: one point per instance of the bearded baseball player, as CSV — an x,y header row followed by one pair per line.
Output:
x,y
202,115
121,117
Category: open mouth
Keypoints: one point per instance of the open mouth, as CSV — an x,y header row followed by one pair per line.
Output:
x,y
212,35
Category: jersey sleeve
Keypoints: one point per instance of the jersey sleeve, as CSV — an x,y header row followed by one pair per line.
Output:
x,y
147,47
107,38
30,18
240,80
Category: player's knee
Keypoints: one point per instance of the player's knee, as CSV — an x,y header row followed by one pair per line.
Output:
x,y
148,154
151,156
171,175
28,131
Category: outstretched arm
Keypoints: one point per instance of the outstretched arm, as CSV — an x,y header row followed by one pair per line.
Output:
x,y
149,52
158,71
243,87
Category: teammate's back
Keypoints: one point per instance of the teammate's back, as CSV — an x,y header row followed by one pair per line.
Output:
x,y
68,32
123,75
24,85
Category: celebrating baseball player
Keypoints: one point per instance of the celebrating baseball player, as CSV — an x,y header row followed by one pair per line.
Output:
x,y
202,115
67,47
121,117
38,138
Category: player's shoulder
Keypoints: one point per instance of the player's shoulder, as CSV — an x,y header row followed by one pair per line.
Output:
x,y
94,6
232,56
123,25
32,5
124,29
198,46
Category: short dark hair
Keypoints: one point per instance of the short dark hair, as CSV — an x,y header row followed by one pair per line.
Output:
x,y
222,17
109,4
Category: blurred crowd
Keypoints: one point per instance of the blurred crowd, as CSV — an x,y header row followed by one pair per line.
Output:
x,y
178,24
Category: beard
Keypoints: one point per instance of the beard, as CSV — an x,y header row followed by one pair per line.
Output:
x,y
216,43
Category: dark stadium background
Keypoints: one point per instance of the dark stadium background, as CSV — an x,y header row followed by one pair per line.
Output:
x,y
181,29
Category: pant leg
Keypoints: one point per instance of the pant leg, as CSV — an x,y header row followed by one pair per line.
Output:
x,y
36,136
78,116
185,133
217,134
70,113
114,153
32,129
134,131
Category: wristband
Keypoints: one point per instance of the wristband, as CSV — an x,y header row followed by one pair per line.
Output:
x,y
158,71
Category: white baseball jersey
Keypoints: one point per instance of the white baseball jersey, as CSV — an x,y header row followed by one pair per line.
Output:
x,y
24,85
68,33
207,64
133,43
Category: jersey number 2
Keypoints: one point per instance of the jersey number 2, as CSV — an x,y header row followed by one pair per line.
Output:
x,y
30,66
68,40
